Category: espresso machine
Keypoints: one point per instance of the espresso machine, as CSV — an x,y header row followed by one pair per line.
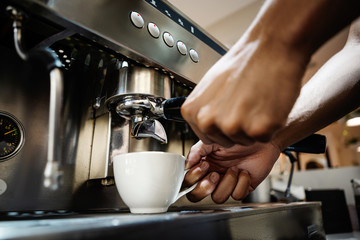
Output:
x,y
82,81
77,89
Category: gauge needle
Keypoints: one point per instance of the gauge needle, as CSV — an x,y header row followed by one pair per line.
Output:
x,y
9,132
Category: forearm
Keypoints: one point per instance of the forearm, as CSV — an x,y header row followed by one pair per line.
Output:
x,y
330,94
258,81
302,25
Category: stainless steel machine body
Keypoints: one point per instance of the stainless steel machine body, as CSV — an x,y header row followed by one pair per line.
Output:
x,y
75,75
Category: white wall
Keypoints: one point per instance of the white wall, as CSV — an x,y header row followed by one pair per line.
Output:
x,y
335,178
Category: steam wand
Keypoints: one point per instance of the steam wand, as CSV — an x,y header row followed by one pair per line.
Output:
x,y
52,172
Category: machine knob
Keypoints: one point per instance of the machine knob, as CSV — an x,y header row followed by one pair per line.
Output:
x,y
153,30
137,19
168,39
194,55
181,47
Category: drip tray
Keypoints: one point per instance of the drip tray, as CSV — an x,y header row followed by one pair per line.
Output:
x,y
255,221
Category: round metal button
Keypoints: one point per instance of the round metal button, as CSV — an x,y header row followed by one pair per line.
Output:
x,y
137,19
181,47
168,39
194,55
153,30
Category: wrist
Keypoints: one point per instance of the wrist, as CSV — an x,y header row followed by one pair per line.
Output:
x,y
302,26
289,25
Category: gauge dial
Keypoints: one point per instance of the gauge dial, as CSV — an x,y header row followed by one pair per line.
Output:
x,y
11,136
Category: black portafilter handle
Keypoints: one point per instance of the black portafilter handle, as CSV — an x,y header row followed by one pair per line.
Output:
x,y
172,108
315,143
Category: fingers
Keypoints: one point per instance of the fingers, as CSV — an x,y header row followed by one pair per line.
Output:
x,y
196,173
204,127
234,183
226,186
205,187
214,122
242,187
212,128
224,130
197,152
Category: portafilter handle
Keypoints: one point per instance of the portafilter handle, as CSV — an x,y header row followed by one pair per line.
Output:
x,y
172,108
314,143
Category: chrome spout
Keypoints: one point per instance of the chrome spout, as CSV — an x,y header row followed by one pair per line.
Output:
x,y
142,121
149,128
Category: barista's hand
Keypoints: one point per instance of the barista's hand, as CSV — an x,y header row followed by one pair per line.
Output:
x,y
234,171
246,96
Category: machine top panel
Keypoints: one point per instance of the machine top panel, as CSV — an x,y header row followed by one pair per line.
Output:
x,y
150,32
188,25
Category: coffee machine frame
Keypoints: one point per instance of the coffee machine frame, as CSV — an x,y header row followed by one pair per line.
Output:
x,y
69,65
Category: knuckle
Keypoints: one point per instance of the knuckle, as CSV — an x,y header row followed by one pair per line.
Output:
x,y
263,129
186,110
230,128
205,123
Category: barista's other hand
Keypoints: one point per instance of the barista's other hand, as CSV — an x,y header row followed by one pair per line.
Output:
x,y
247,95
225,172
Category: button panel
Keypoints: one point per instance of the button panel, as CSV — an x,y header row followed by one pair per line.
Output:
x,y
154,31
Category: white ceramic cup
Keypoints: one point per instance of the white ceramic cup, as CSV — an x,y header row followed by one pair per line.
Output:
x,y
149,182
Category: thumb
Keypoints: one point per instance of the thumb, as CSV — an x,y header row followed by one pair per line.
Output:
x,y
197,152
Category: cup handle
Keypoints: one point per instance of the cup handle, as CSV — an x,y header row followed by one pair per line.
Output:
x,y
187,190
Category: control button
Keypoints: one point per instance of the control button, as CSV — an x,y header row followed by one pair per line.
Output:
x,y
168,39
137,19
181,47
153,30
194,55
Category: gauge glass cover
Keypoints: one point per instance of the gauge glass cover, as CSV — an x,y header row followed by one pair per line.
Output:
x,y
11,136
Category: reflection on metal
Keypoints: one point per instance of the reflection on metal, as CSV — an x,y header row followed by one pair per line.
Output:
x,y
128,94
100,150
143,123
131,81
52,172
149,128
296,221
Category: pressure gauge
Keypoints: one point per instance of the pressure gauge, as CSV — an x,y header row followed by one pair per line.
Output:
x,y
11,136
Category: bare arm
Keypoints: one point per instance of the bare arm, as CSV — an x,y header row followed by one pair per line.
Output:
x,y
330,94
247,95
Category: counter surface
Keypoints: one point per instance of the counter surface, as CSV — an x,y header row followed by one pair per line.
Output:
x,y
285,221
